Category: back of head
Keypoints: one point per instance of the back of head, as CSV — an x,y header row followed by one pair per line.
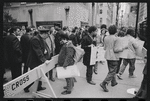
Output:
x,y
28,29
65,28
13,29
57,25
64,36
123,29
112,29
130,31
103,26
92,29
121,34
73,30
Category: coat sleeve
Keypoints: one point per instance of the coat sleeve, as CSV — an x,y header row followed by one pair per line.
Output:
x,y
83,43
69,57
117,48
17,47
135,44
38,51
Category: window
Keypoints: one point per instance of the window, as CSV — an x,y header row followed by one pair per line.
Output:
x,y
30,2
23,3
101,21
39,2
7,4
100,11
101,4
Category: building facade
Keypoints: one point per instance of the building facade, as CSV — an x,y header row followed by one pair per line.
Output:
x,y
132,19
48,13
142,12
105,14
127,17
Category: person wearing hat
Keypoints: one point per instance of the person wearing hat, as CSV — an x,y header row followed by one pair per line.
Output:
x,y
37,53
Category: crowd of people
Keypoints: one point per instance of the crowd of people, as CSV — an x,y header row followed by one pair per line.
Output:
x,y
29,47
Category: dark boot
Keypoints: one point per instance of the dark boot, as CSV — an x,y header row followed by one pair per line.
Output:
x,y
103,85
40,86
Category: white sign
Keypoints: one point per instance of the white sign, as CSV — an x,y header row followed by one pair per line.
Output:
x,y
93,55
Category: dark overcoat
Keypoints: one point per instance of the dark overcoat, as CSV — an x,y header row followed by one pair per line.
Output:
x,y
25,46
85,42
36,54
12,50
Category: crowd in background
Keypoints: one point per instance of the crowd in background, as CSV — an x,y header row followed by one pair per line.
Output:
x,y
29,47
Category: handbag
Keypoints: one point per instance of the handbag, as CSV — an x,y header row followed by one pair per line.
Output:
x,y
70,71
79,54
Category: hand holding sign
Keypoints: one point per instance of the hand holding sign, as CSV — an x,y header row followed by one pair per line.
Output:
x,y
47,62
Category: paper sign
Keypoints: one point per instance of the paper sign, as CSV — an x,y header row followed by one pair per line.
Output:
x,y
93,55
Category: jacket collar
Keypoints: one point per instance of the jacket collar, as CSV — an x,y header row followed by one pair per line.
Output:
x,y
39,37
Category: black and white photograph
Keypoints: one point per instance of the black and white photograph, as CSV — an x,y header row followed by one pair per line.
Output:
x,y
74,50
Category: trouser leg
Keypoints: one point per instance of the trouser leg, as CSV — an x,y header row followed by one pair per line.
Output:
x,y
51,74
112,67
123,66
96,67
131,66
25,68
70,84
119,64
16,70
142,92
89,73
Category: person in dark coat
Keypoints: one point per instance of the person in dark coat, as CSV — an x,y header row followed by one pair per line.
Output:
x,y
36,55
85,32
73,37
86,42
142,92
57,38
66,58
12,52
25,45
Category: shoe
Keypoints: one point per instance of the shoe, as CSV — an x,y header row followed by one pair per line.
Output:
x,y
52,79
66,92
132,76
119,76
41,88
114,84
103,85
74,79
65,87
95,72
26,90
91,82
